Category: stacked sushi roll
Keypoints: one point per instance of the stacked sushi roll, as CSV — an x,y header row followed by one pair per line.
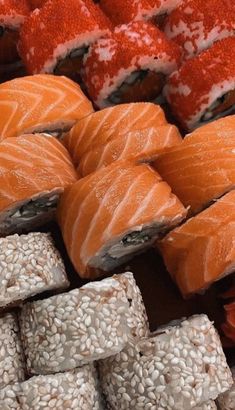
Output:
x,y
129,65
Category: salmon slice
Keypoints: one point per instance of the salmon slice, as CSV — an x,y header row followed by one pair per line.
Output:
x,y
40,103
201,169
34,170
104,125
140,146
114,213
202,251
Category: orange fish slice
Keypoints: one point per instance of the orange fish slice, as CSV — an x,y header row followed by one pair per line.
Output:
x,y
202,251
107,124
202,168
34,170
140,146
114,213
40,103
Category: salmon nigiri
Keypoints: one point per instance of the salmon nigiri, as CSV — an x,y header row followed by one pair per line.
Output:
x,y
202,168
109,123
34,170
114,213
40,103
202,251
140,146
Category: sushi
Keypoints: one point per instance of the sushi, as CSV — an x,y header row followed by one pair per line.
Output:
x,y
36,4
226,400
11,352
45,49
180,366
129,65
95,320
115,213
202,90
121,12
35,169
196,25
202,168
201,250
40,103
140,146
105,125
31,265
8,397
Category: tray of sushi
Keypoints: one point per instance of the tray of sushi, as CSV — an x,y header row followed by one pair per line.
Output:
x,y
117,205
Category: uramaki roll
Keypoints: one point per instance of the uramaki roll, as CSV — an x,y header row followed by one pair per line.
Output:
x,y
202,168
40,103
197,24
30,265
129,65
115,213
121,12
105,125
35,169
200,251
140,146
203,88
45,49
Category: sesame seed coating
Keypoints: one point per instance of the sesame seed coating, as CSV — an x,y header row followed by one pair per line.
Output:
x,y
29,264
210,405
226,400
179,367
8,397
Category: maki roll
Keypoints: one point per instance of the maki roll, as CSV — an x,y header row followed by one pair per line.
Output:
x,y
226,400
40,103
202,168
11,352
139,146
203,88
180,366
129,65
200,251
45,49
32,265
83,325
105,125
196,25
115,213
35,169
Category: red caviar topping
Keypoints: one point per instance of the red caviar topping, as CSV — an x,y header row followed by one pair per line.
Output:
x,y
13,12
37,4
121,12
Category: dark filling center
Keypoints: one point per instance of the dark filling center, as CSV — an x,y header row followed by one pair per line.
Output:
x,y
135,238
159,20
8,48
143,85
35,207
71,65
2,31
224,104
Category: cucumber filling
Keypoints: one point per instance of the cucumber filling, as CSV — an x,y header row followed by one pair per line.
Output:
x,y
222,106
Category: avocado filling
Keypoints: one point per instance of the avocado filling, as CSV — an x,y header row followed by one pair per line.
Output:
x,y
222,106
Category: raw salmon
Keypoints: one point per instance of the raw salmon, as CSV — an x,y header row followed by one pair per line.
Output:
x,y
114,213
202,168
34,170
107,124
40,103
202,250
140,146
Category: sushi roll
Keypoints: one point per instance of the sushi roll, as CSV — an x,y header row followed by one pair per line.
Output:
x,y
40,103
202,90
83,325
36,4
35,170
129,65
226,400
138,146
11,352
180,366
196,25
105,125
9,397
115,213
32,265
45,49
201,250
202,168
76,389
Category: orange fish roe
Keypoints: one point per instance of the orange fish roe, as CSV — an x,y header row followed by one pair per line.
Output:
x,y
200,81
55,30
165,6
37,4
197,24
131,48
121,12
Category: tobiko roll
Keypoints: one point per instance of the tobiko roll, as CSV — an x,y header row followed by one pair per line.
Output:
x,y
196,25
203,89
46,49
129,65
